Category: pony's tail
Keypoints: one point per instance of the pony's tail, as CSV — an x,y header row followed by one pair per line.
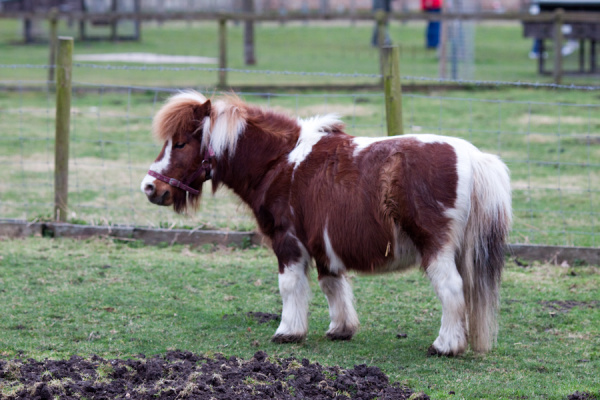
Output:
x,y
482,257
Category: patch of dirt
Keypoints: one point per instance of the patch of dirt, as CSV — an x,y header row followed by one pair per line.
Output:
x,y
263,318
179,374
583,396
564,306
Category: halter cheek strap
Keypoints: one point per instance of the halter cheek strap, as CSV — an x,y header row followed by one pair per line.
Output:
x,y
206,166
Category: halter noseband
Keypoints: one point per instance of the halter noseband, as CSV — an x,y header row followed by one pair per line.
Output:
x,y
205,166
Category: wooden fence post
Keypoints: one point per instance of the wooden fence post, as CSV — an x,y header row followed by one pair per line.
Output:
x,y
114,21
558,45
380,17
222,53
443,45
393,90
137,23
52,40
249,59
63,117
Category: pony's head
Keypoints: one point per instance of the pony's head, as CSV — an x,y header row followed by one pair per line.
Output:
x,y
186,159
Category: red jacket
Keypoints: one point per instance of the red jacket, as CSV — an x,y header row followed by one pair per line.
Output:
x,y
431,4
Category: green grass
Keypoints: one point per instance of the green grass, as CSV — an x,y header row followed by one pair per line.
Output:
x,y
549,144
64,297
548,138
501,53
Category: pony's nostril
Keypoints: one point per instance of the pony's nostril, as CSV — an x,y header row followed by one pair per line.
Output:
x,y
149,189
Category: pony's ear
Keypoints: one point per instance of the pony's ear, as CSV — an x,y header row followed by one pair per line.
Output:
x,y
202,110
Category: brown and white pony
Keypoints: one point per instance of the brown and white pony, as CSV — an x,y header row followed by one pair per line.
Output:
x,y
349,203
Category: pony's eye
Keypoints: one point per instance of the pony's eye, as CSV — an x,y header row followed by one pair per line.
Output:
x,y
179,145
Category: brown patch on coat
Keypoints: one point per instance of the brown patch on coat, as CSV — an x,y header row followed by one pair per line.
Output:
x,y
418,184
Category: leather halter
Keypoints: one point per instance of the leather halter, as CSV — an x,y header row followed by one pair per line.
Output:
x,y
206,166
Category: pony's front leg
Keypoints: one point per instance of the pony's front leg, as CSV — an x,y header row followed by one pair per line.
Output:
x,y
448,285
295,295
344,320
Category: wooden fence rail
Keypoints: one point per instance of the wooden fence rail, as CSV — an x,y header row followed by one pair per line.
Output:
x,y
569,17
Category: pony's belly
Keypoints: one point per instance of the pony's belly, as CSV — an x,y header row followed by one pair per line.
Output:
x,y
401,262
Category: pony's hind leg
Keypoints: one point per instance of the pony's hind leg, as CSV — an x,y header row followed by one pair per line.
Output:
x,y
295,294
448,285
344,320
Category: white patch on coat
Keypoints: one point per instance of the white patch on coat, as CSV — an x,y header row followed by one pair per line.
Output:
x,y
311,131
295,294
459,214
336,265
158,166
448,286
362,142
338,291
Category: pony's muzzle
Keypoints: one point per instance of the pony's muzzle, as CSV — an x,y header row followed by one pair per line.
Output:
x,y
155,196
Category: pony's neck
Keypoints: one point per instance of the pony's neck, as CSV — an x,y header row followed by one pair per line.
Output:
x,y
260,157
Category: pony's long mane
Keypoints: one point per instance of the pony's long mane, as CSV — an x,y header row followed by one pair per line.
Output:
x,y
176,115
230,116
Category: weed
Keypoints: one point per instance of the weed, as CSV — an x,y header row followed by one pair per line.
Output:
x,y
105,370
12,370
188,390
9,389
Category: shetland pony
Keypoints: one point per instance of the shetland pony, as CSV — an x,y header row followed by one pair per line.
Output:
x,y
366,204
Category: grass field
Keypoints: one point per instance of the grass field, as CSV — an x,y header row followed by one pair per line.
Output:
x,y
115,299
548,138
551,149
501,53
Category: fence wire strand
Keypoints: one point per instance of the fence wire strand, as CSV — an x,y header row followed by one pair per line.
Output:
x,y
552,149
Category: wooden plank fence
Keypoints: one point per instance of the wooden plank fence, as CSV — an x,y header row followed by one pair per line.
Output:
x,y
522,253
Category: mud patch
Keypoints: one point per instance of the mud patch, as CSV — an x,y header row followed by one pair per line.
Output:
x,y
564,306
179,374
263,318
582,396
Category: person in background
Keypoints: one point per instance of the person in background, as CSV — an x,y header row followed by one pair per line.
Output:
x,y
432,34
386,6
566,50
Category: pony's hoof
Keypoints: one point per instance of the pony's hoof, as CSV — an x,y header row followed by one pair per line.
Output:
x,y
433,352
340,335
287,338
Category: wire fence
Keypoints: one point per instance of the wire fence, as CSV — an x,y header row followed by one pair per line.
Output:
x,y
341,46
549,136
